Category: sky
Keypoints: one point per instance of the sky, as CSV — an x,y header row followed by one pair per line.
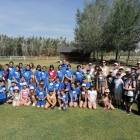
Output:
x,y
46,18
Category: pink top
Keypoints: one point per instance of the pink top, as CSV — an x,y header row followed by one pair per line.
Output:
x,y
24,93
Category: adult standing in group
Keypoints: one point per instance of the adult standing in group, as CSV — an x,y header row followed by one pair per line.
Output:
x,y
11,71
91,69
84,67
32,68
115,69
64,65
105,69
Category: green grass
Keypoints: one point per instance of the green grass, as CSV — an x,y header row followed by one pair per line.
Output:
x,y
30,123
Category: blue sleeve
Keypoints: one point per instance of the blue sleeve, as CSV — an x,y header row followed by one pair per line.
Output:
x,y
59,85
36,93
77,91
31,73
56,74
71,71
74,73
35,73
45,93
67,97
68,86
83,73
87,84
62,85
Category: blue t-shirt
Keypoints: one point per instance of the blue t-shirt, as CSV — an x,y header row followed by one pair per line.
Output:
x,y
57,86
41,94
2,94
37,74
20,85
64,67
4,88
50,86
16,75
87,84
28,75
79,88
65,86
38,87
44,76
78,75
60,74
11,71
11,88
1,74
31,85
74,92
65,96
22,71
69,73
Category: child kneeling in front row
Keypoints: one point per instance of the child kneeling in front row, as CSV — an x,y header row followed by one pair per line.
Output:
x,y
51,100
41,96
16,97
64,99
92,95
107,100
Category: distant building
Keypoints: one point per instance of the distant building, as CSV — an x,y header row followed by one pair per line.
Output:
x,y
73,54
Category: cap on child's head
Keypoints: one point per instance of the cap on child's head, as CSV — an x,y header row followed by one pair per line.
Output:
x,y
83,85
99,69
111,71
16,88
24,84
127,70
90,64
107,90
51,90
133,68
13,81
118,73
88,69
116,64
32,88
121,68
138,63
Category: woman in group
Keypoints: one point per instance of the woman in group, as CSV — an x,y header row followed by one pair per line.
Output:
x,y
94,75
37,74
17,74
104,68
28,73
32,68
115,69
101,83
52,72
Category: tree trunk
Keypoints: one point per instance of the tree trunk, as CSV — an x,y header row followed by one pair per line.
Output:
x,y
119,58
94,55
97,58
128,55
116,55
101,56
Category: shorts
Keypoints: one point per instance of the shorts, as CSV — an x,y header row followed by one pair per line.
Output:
x,y
47,103
3,101
40,103
82,99
129,99
118,95
101,84
65,106
9,98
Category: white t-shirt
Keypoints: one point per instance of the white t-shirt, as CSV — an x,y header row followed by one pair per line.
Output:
x,y
118,84
104,71
91,71
115,72
128,84
92,95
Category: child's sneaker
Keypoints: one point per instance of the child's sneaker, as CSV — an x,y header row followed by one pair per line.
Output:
x,y
59,108
104,107
129,112
124,110
53,108
33,104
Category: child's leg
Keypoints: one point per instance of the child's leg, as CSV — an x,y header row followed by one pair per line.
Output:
x,y
28,103
75,104
34,99
59,102
81,104
103,90
42,104
71,104
46,106
89,105
94,105
22,102
104,102
14,104
116,101
84,104
99,92
18,103
111,107
38,104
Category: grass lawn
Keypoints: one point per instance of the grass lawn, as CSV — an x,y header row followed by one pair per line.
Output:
x,y
74,123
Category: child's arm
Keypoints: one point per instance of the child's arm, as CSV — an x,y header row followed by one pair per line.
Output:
x,y
105,83
95,98
88,98
70,97
137,105
65,102
79,97
97,85
49,101
44,98
73,76
14,79
75,97
46,91
38,98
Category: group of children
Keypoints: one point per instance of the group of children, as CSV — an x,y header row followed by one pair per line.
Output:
x,y
50,88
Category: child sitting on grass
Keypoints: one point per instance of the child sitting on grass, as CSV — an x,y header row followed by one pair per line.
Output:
x,y
41,96
16,97
51,100
107,100
63,99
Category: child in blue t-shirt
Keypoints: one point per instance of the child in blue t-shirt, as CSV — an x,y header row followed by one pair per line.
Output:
x,y
28,73
22,69
3,93
84,81
60,73
41,96
66,86
10,93
57,85
41,83
22,80
63,98
31,83
44,75
17,74
50,85
77,85
38,74
69,73
73,96
78,74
